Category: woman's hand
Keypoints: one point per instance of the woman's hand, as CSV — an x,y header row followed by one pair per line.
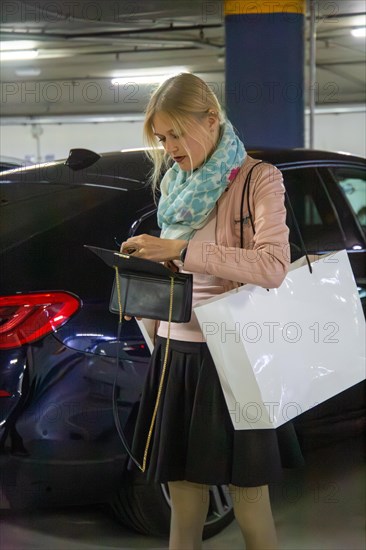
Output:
x,y
128,318
153,248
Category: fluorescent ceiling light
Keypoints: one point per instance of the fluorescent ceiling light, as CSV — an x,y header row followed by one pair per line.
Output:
x,y
20,54
15,45
146,78
360,32
28,72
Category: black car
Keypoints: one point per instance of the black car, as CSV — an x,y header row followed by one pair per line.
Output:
x,y
8,163
58,340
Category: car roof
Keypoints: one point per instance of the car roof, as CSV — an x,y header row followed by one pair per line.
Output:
x,y
8,163
117,169
284,157
130,168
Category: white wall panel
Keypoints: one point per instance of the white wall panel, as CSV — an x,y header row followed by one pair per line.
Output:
x,y
57,139
333,132
340,132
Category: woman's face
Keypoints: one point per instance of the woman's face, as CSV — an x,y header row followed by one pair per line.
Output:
x,y
199,143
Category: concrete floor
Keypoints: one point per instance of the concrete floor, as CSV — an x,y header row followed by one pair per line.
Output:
x,y
319,507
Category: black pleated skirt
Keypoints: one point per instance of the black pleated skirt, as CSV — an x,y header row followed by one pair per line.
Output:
x,y
193,437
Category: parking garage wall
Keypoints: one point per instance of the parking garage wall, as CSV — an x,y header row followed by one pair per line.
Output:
x,y
334,131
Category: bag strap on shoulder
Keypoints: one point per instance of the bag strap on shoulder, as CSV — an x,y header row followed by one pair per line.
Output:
x,y
246,184
287,204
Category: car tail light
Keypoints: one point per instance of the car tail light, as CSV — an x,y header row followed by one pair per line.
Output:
x,y
25,318
4,393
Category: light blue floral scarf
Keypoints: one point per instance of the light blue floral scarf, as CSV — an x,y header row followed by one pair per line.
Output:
x,y
187,198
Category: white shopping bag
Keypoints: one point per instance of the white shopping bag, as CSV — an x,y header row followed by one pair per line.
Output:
x,y
280,352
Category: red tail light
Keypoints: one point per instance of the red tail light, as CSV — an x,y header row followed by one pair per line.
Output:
x,y
25,318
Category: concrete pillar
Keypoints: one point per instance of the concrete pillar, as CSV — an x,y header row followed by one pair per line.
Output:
x,y
265,71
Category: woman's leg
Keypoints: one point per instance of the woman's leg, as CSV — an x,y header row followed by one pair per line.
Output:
x,y
189,503
252,509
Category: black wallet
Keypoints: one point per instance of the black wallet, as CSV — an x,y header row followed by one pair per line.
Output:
x,y
145,288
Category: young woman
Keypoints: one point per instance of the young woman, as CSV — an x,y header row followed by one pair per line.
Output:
x,y
194,444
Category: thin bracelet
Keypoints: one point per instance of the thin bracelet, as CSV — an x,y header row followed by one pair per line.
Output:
x,y
182,255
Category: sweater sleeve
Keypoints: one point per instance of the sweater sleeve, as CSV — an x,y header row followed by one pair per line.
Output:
x,y
265,263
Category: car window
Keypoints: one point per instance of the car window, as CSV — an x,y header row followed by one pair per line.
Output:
x,y
314,211
352,183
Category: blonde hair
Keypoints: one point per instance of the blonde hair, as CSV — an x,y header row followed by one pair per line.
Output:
x,y
184,98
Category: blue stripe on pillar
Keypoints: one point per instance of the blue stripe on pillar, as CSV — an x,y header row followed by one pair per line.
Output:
x,y
264,78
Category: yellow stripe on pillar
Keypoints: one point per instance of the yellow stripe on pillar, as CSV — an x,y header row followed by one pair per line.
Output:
x,y
240,7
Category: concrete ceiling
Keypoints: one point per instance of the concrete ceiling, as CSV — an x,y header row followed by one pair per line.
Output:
x,y
82,44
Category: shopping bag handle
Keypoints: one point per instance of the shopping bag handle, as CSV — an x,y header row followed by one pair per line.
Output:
x,y
287,202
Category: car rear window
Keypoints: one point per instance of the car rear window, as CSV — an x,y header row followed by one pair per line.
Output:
x,y
31,209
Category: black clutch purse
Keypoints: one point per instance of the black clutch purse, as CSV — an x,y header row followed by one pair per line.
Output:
x,y
143,288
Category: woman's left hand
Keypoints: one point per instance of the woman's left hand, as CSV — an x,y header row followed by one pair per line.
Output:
x,y
153,248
